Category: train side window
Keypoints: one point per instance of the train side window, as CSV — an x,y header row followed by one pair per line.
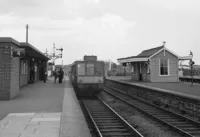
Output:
x,y
90,69
81,69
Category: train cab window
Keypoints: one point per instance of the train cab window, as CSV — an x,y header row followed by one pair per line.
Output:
x,y
90,69
81,69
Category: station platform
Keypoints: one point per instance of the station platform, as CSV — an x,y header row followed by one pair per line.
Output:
x,y
37,116
179,87
30,125
73,123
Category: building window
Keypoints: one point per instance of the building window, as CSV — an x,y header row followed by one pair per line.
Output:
x,y
90,69
81,69
164,67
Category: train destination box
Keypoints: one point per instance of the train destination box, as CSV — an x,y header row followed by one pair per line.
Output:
x,y
19,52
90,58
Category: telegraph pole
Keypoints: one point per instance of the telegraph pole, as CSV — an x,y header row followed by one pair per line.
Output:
x,y
54,56
27,33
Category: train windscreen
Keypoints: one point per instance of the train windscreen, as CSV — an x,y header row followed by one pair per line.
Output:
x,y
90,69
81,69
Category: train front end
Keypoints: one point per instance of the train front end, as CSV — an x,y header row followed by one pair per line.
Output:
x,y
89,77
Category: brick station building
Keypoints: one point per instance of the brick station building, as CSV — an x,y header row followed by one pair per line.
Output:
x,y
17,72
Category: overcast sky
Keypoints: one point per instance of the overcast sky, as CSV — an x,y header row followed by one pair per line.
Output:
x,y
110,29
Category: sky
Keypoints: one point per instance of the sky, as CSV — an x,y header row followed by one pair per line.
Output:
x,y
110,29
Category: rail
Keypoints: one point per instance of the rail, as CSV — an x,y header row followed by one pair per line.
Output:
x,y
106,121
182,125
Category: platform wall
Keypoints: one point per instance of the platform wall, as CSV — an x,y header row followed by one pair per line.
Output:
x,y
177,102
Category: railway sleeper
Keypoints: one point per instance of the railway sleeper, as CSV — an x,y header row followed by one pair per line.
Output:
x,y
111,134
115,130
172,119
110,126
166,117
190,128
195,133
105,118
107,121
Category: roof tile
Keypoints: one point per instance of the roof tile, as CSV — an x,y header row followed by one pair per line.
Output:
x,y
149,52
145,53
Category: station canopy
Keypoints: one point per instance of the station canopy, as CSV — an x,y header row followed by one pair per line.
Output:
x,y
31,51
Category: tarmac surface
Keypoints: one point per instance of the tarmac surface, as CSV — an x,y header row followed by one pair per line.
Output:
x,y
37,97
35,112
43,110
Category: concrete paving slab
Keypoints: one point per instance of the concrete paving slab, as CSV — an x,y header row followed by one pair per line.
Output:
x,y
21,114
8,117
10,134
31,127
46,115
45,119
49,124
22,126
14,126
26,135
34,123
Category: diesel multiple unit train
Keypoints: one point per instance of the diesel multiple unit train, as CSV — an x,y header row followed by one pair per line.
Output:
x,y
87,76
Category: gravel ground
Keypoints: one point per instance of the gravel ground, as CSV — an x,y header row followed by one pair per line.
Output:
x,y
145,126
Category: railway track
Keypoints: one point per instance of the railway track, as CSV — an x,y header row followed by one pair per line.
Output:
x,y
88,120
180,124
106,121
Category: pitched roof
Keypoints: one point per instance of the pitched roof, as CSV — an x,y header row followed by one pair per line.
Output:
x,y
149,52
145,53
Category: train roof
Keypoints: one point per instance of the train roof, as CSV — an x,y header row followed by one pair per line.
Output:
x,y
81,61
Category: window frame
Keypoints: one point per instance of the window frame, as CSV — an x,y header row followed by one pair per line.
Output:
x,y
78,69
23,67
168,70
86,66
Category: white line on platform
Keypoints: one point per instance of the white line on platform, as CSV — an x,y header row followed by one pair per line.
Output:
x,y
21,114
